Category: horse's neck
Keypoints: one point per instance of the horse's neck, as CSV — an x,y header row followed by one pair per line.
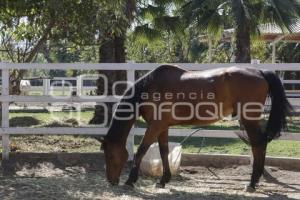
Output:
x,y
119,130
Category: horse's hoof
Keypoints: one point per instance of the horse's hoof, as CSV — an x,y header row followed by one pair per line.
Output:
x,y
249,188
129,184
160,185
128,187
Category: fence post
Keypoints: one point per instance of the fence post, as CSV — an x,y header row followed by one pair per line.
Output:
x,y
130,139
45,87
63,86
79,85
5,113
46,90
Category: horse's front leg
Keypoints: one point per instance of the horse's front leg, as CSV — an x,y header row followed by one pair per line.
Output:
x,y
164,152
148,139
134,172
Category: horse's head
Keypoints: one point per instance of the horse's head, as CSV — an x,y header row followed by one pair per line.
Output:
x,y
116,156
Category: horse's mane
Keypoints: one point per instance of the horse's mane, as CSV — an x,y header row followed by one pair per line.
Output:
x,y
119,129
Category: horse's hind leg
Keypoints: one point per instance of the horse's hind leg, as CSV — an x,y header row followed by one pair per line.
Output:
x,y
258,147
164,152
149,137
259,154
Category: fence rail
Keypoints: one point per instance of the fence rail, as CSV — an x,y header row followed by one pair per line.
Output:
x,y
144,66
180,132
66,89
5,98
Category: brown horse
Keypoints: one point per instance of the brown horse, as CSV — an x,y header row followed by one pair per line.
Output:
x,y
170,95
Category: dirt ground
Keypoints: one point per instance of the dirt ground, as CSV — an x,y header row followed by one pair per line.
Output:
x,y
47,181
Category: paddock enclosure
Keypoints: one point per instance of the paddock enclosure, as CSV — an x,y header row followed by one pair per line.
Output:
x,y
81,99
60,177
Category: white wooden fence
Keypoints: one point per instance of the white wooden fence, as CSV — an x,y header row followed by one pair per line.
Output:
x,y
5,99
65,86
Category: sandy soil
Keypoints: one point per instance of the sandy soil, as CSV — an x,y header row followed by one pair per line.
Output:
x,y
46,181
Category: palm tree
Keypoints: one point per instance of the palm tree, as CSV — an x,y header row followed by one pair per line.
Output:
x,y
213,16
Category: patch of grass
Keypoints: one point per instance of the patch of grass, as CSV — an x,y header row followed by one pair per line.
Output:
x,y
293,125
68,143
56,124
86,144
233,146
47,118
84,117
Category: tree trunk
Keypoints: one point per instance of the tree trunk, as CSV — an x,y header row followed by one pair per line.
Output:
x,y
15,80
111,51
242,29
242,53
120,55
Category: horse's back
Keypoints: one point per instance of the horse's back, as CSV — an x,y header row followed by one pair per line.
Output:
x,y
247,83
169,68
236,79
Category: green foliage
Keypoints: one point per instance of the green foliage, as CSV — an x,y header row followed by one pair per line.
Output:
x,y
212,16
27,25
149,12
159,30
168,47
259,50
288,52
141,51
144,34
208,16
280,12
222,52
198,51
154,18
169,24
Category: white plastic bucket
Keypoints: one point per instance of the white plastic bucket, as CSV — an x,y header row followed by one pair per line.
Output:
x,y
151,164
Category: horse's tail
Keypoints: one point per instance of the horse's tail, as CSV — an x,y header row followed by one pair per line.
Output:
x,y
280,107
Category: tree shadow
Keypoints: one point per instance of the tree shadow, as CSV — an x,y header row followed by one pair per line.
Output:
x,y
24,121
271,179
